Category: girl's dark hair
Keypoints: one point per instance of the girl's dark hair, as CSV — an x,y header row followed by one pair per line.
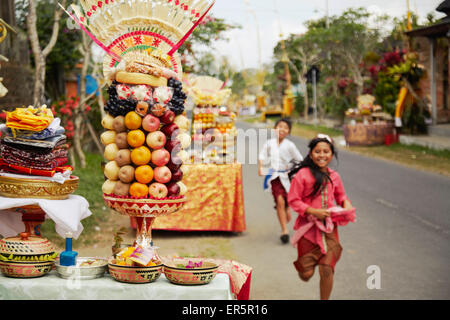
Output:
x,y
285,120
320,177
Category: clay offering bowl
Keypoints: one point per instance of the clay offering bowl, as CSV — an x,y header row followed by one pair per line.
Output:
x,y
26,256
201,273
132,274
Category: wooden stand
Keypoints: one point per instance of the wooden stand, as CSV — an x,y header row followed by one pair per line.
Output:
x,y
33,217
371,134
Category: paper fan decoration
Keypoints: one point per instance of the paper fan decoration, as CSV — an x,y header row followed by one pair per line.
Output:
x,y
207,90
206,83
146,31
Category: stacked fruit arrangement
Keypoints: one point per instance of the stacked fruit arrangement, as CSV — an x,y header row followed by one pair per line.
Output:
x,y
145,140
204,117
225,123
214,129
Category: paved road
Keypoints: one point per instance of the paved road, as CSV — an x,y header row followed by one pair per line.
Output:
x,y
403,227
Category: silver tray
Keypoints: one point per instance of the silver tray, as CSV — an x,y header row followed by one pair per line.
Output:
x,y
82,273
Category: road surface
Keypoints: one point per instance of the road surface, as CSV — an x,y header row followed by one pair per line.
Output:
x,y
401,234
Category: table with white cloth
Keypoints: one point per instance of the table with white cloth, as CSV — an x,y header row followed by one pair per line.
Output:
x,y
67,214
51,287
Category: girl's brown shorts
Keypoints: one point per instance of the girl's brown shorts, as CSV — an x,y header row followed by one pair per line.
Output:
x,y
309,254
278,190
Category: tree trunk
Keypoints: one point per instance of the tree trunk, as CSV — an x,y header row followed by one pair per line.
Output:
x,y
39,82
305,88
78,136
72,157
40,55
94,135
357,76
358,79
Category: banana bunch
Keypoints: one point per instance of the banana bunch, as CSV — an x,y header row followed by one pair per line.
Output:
x,y
40,258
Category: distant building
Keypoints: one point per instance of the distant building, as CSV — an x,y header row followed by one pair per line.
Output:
x,y
432,45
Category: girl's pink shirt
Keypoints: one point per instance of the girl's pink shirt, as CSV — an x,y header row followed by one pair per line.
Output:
x,y
301,186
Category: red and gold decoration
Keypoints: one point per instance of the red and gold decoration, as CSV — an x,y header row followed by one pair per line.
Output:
x,y
21,187
215,203
26,256
132,274
191,273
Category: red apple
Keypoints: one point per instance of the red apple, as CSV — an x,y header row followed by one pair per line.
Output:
x,y
174,163
167,117
173,145
156,140
160,157
170,130
162,174
157,190
177,175
173,189
150,123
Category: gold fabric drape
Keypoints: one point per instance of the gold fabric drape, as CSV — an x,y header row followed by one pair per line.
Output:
x,y
215,200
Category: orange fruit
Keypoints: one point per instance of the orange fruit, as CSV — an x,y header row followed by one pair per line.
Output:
x,y
133,120
138,189
143,174
135,138
141,156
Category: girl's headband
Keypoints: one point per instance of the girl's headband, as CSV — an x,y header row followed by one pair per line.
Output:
x,y
324,136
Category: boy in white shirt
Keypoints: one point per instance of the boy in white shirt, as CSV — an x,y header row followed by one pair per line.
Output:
x,y
278,154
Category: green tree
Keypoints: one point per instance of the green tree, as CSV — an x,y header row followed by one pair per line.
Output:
x,y
64,55
193,51
303,52
341,44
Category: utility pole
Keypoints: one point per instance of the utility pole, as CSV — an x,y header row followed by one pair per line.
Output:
x,y
314,80
288,96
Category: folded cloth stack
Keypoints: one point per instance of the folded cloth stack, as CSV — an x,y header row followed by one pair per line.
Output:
x,y
31,118
39,149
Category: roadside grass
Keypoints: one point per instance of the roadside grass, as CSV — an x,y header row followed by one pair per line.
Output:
x,y
437,161
419,157
310,131
303,130
90,187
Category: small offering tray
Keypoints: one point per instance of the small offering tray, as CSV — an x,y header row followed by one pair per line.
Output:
x,y
83,270
37,188
144,207
26,269
133,274
200,272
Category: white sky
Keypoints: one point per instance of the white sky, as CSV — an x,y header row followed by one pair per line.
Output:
x,y
242,48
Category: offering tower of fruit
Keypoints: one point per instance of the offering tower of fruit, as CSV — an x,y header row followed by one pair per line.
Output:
x,y
141,140
213,124
145,129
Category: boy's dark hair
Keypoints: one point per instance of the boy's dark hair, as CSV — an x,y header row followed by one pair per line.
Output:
x,y
285,120
320,178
